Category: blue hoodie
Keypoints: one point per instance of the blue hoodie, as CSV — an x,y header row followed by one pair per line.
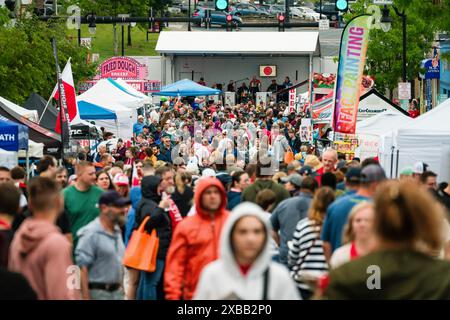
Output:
x,y
135,197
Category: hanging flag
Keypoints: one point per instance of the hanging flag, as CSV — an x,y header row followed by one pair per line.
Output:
x,y
71,99
352,57
62,122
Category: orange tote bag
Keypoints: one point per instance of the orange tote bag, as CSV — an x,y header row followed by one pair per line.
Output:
x,y
142,249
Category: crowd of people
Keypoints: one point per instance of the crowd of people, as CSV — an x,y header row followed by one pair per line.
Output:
x,y
241,207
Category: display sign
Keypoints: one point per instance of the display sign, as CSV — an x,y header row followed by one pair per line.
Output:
x,y
122,67
404,90
352,58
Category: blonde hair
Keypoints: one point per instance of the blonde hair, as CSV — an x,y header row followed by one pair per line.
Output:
x,y
349,233
181,180
322,199
277,176
407,215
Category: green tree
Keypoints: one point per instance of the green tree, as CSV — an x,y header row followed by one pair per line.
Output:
x,y
384,55
26,58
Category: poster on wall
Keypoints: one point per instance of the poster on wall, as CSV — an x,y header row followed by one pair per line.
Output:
x,y
352,58
306,131
230,98
263,97
345,144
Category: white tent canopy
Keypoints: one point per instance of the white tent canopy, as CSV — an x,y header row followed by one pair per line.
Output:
x,y
108,91
111,95
35,150
31,115
261,43
133,91
375,134
427,139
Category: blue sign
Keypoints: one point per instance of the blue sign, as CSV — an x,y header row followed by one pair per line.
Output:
x,y
432,66
13,136
432,69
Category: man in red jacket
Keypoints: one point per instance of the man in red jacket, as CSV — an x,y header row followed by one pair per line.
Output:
x,y
195,241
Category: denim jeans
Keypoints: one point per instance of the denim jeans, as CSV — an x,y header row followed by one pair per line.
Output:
x,y
148,282
106,295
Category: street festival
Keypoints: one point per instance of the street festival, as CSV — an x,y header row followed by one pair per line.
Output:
x,y
224,150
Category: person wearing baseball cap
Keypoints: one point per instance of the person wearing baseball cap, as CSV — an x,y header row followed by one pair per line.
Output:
x,y
292,183
337,214
100,250
418,169
138,126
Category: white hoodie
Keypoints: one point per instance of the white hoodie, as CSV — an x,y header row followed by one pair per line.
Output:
x,y
223,280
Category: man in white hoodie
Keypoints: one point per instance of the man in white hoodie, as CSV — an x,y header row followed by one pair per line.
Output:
x,y
244,270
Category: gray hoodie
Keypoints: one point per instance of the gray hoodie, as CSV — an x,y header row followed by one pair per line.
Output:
x,y
223,280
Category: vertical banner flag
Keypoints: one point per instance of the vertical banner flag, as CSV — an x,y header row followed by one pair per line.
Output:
x,y
352,57
62,123
292,94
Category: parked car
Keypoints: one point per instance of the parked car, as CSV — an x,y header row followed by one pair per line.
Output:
x,y
276,9
247,9
329,10
217,17
174,10
305,13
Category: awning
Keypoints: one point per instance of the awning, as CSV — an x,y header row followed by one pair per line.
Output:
x,y
186,88
239,43
90,111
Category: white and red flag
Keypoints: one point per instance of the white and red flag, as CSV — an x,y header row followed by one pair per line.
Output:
x,y
70,95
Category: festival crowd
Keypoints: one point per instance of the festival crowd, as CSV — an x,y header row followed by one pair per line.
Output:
x,y
230,204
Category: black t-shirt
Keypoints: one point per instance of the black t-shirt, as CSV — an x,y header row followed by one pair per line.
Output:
x,y
5,241
14,286
62,222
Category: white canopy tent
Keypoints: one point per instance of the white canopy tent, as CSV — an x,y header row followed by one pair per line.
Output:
x,y
375,134
146,99
426,139
184,42
110,95
31,115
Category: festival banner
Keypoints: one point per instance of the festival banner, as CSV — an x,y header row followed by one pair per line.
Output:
x,y
352,57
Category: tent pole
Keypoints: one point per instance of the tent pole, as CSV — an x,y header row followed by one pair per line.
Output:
x,y
28,164
396,166
45,109
392,160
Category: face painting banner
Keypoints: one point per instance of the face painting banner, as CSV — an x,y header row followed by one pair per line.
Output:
x,y
352,58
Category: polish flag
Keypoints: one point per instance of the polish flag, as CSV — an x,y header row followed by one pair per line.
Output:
x,y
71,99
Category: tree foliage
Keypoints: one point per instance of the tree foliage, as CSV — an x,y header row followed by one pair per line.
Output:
x,y
384,56
27,64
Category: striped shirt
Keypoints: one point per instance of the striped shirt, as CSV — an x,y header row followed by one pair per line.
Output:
x,y
306,252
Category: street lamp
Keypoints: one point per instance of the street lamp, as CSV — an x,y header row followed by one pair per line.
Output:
x,y
92,27
386,20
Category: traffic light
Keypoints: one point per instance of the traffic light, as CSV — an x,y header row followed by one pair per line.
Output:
x,y
10,4
281,19
221,5
229,22
341,5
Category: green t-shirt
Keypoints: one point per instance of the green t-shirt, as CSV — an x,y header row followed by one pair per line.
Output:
x,y
81,207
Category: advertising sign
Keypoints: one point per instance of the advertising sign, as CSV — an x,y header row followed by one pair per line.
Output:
x,y
122,67
352,58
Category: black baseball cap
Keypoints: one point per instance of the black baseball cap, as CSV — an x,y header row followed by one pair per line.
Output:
x,y
309,171
353,175
113,198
